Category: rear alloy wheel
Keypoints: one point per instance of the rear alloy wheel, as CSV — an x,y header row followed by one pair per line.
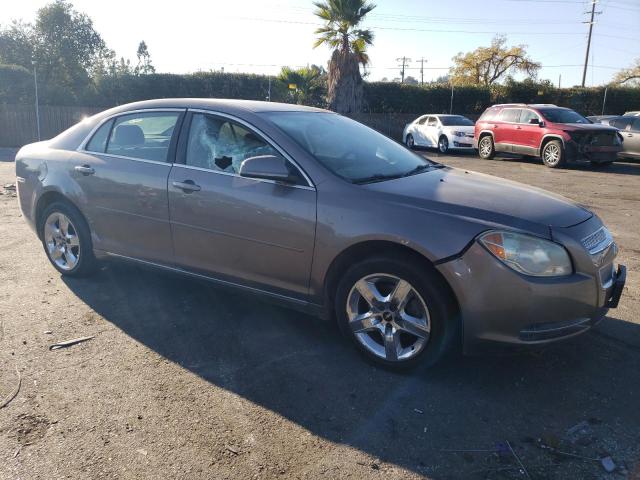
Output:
x,y
395,312
553,154
410,142
67,240
486,149
443,144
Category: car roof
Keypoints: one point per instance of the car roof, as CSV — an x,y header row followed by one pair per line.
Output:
x,y
226,105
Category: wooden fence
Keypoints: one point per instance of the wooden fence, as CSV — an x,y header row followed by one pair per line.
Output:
x,y
18,122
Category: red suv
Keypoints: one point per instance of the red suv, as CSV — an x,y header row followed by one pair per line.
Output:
x,y
556,134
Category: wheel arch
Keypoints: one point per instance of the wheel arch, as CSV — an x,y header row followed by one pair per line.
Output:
x,y
47,198
371,248
547,138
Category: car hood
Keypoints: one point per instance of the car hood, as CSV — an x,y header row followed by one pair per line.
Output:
x,y
587,126
459,128
490,200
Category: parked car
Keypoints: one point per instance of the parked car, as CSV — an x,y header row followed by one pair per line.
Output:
x,y
315,210
556,134
633,113
604,119
443,132
629,127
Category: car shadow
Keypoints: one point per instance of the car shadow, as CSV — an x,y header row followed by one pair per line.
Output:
x,y
301,368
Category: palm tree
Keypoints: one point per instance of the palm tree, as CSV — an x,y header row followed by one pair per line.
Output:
x,y
349,44
309,84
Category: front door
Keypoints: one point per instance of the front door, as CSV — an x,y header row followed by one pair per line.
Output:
x,y
254,232
527,136
122,173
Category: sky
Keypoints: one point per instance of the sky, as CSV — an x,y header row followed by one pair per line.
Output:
x,y
260,36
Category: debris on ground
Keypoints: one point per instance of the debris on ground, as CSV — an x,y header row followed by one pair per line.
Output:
x,y
608,464
15,392
580,434
232,450
69,343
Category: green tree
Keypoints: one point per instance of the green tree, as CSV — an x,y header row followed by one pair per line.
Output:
x,y
341,33
144,65
309,84
17,44
488,65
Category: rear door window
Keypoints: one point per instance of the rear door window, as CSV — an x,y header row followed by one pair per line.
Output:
x,y
98,142
144,136
510,115
433,122
635,126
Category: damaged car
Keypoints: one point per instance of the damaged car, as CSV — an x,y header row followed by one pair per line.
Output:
x,y
557,135
411,258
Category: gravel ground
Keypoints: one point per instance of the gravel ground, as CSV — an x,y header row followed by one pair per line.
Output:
x,y
183,380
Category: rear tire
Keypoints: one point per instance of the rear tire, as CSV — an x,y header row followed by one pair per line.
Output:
x,y
397,330
486,149
553,155
66,239
410,142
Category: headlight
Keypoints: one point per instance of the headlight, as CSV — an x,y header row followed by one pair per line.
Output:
x,y
528,254
458,134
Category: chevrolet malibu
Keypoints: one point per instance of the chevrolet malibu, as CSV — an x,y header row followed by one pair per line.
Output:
x,y
307,207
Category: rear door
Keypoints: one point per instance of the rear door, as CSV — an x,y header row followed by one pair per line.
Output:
x,y
504,129
122,172
430,130
253,232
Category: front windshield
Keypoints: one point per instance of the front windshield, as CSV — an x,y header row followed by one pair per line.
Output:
x,y
456,120
349,149
562,115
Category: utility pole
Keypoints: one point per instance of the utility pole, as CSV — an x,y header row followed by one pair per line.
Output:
x,y
35,83
590,22
404,63
559,81
422,60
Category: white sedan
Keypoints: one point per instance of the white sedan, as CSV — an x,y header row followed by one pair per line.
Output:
x,y
443,132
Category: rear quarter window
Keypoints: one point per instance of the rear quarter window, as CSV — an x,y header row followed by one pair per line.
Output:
x,y
489,114
98,142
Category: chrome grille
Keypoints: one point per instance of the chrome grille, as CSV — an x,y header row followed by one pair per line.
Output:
x,y
597,241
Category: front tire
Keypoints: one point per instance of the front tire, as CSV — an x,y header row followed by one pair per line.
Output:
x,y
67,240
486,149
396,312
443,144
553,155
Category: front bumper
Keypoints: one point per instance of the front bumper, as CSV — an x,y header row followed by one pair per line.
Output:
x,y
600,154
501,307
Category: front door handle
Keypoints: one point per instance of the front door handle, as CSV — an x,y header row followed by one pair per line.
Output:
x,y
187,186
84,169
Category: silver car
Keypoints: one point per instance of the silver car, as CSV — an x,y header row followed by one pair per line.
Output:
x,y
313,209
629,127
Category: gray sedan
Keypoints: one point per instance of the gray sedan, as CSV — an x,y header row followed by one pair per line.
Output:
x,y
309,208
629,127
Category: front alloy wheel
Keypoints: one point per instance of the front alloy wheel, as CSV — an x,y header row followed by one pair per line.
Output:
x,y
388,317
443,144
553,154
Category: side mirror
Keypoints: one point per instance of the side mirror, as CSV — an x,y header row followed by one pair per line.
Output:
x,y
267,167
534,121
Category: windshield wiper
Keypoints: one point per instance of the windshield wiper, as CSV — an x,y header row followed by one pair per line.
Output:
x,y
379,177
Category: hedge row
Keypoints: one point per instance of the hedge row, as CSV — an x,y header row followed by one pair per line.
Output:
x,y
398,98
16,86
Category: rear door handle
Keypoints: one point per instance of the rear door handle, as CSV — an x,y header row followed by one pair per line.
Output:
x,y
187,186
84,169
629,134
518,127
